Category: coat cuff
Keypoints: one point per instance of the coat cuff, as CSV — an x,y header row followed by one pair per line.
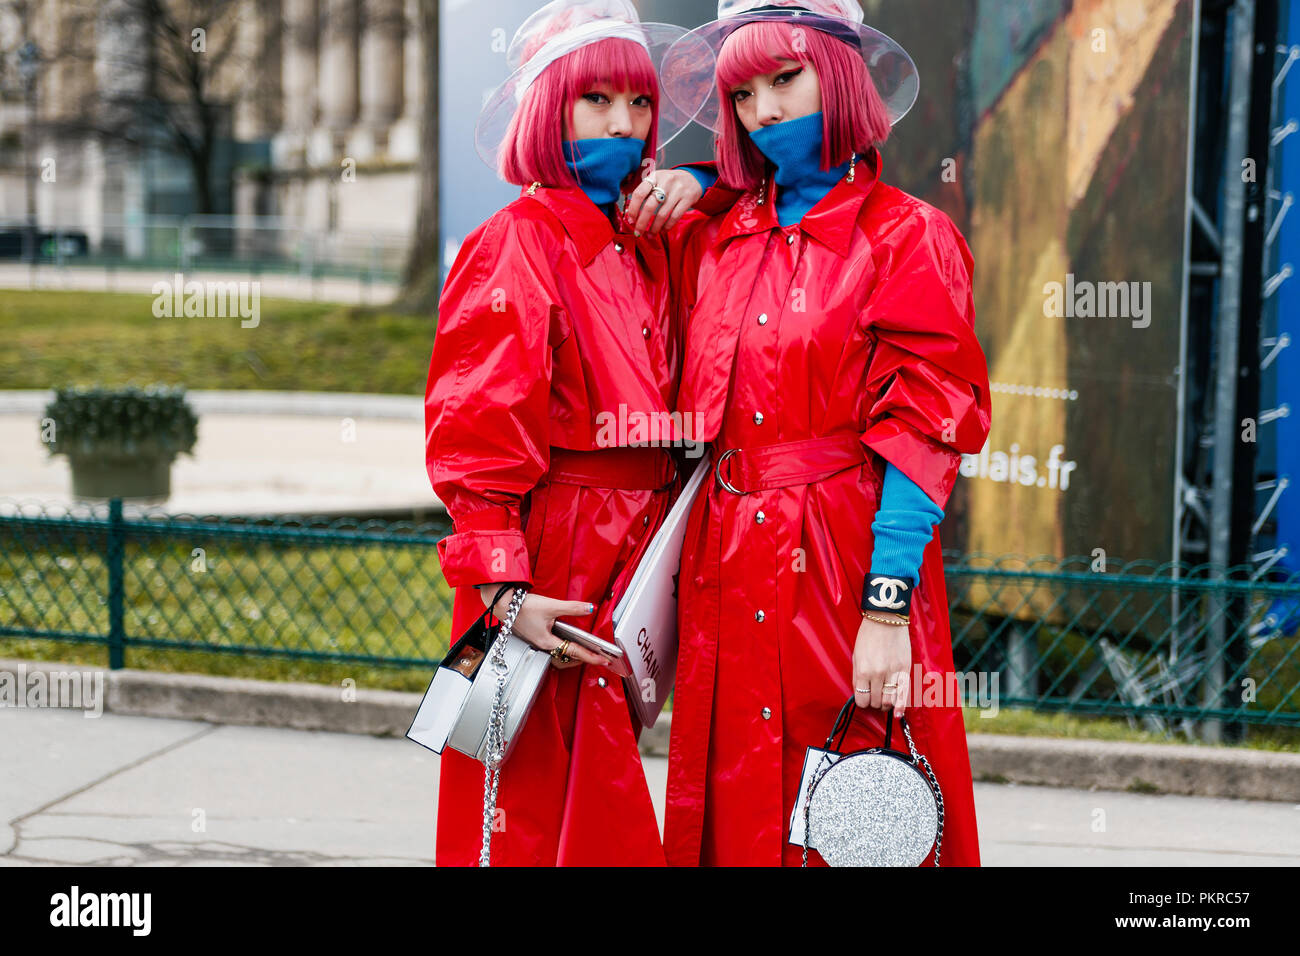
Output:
x,y
481,557
931,465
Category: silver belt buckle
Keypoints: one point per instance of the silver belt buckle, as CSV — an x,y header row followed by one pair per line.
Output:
x,y
717,472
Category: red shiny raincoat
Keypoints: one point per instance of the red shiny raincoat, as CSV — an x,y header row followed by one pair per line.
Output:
x,y
854,329
555,339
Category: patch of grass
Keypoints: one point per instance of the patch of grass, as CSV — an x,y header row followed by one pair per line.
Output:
x,y
1029,723
56,338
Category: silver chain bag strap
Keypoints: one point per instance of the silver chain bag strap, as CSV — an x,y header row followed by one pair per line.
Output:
x,y
872,807
496,733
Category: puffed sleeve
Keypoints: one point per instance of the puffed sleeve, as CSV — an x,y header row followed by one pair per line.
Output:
x,y
486,407
927,377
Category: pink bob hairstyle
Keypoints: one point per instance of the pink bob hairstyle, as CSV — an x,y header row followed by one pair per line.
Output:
x,y
854,117
532,150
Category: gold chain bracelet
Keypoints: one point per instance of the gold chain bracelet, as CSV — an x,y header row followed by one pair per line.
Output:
x,y
884,620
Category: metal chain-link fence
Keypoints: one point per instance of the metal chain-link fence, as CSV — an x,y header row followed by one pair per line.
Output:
x,y
1169,643
1172,645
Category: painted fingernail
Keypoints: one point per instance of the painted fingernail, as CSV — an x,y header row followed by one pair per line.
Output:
x,y
591,609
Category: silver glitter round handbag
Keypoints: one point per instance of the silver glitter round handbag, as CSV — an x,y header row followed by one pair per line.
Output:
x,y
873,807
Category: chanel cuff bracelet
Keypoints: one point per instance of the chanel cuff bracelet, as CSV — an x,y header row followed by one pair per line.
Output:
x,y
881,592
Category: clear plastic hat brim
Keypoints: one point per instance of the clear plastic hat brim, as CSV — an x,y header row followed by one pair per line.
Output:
x,y
502,103
689,68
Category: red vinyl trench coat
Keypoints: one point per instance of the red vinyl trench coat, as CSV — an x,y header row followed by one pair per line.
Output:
x,y
555,339
853,327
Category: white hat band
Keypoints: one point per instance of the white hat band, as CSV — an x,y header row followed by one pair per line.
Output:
x,y
566,41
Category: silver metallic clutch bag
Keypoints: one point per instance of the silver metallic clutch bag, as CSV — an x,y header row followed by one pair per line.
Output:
x,y
457,707
479,698
526,669
875,807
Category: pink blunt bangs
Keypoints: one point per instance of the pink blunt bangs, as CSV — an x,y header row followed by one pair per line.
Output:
x,y
532,150
854,117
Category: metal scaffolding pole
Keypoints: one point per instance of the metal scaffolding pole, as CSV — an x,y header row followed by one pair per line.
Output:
x,y
1228,329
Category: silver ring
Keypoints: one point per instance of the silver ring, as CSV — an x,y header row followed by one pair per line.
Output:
x,y
862,690
717,472
660,194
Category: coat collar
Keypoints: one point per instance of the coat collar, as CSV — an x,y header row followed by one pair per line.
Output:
x,y
588,227
831,221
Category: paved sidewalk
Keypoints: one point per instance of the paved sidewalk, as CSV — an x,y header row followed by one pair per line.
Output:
x,y
257,453
142,791
88,278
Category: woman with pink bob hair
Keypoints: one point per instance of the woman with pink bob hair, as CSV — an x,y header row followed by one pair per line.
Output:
x,y
831,361
554,321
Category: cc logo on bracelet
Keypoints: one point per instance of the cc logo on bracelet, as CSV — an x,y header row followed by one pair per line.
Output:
x,y
887,595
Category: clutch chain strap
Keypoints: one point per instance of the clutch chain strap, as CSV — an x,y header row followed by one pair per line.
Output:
x,y
496,725
917,758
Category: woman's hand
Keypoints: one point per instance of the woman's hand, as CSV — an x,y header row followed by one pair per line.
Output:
x,y
647,215
882,655
534,621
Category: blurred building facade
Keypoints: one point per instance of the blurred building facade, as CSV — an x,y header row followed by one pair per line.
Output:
x,y
317,102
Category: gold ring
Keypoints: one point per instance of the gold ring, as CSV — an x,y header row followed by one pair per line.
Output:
x,y
561,652
887,686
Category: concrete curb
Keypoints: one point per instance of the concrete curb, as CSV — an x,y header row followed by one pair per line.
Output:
x,y
227,700
255,402
1236,773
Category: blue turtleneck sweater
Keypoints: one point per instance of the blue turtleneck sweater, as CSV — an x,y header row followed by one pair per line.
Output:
x,y
904,523
601,165
795,146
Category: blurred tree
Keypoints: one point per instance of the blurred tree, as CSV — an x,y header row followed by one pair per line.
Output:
x,y
423,278
167,74
176,79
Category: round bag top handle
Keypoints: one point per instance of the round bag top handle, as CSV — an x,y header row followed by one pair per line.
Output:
x,y
846,717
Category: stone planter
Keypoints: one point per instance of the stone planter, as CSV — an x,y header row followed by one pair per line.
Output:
x,y
120,440
114,476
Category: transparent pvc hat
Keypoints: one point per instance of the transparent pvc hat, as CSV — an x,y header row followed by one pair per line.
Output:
x,y
688,74
556,30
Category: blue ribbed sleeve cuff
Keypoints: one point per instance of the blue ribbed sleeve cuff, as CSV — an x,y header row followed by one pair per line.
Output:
x,y
903,526
705,178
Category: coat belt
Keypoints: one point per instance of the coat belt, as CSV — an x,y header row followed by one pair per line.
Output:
x,y
625,469
760,467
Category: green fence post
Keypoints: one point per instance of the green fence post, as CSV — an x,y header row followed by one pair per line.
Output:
x,y
116,585
1022,660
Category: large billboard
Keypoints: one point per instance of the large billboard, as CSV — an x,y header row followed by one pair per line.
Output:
x,y
1056,135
